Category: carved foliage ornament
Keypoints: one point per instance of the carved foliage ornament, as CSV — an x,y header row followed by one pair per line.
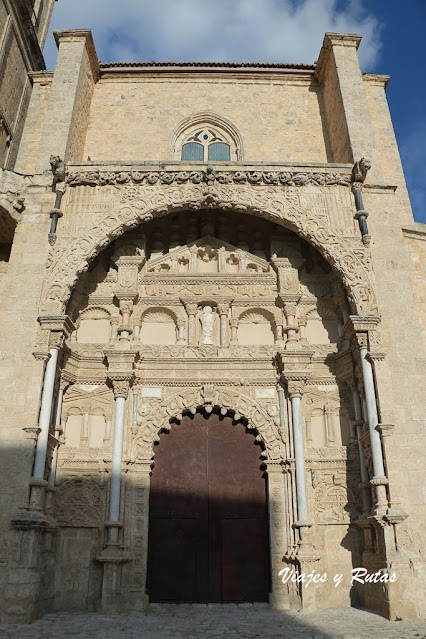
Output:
x,y
67,261
287,178
159,415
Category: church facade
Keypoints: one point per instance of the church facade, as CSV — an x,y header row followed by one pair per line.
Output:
x,y
211,340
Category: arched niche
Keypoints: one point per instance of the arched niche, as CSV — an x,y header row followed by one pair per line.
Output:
x,y
322,326
255,327
94,326
158,326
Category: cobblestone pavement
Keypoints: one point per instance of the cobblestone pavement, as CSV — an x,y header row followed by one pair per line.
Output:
x,y
244,621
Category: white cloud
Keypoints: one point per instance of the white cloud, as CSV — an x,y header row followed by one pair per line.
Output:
x,y
230,30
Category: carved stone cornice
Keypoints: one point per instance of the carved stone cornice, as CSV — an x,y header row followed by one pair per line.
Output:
x,y
94,176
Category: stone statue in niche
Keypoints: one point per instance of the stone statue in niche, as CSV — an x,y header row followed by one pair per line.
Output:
x,y
207,321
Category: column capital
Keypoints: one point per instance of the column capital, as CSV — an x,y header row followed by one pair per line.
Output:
x,y
64,382
190,307
223,308
125,304
296,387
120,387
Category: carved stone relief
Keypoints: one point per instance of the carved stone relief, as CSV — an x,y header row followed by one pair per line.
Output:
x,y
78,502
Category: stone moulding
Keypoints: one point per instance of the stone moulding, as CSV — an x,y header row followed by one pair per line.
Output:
x,y
159,414
278,204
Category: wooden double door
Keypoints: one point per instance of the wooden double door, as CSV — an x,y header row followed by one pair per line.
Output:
x,y
208,524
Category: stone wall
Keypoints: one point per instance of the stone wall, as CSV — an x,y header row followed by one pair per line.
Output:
x,y
295,125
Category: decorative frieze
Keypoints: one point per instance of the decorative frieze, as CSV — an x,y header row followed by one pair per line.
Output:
x,y
150,178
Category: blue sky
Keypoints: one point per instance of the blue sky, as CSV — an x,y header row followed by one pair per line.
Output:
x,y
273,31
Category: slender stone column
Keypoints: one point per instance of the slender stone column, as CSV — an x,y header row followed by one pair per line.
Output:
x,y
121,389
291,328
37,482
59,327
379,480
191,309
329,425
280,392
295,390
223,314
58,432
302,327
125,330
85,430
279,338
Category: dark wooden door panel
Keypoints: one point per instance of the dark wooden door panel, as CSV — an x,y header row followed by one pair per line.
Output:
x,y
208,536
244,576
172,570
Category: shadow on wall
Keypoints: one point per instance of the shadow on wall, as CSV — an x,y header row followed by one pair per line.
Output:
x,y
208,537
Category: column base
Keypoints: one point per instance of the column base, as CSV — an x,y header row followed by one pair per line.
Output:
x,y
27,518
113,558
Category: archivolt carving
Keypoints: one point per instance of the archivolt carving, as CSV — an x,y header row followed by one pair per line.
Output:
x,y
159,414
281,206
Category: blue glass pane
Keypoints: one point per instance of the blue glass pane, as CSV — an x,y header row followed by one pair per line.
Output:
x,y
193,151
219,151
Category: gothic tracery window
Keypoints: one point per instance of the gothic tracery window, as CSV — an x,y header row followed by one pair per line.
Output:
x,y
206,137
206,144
